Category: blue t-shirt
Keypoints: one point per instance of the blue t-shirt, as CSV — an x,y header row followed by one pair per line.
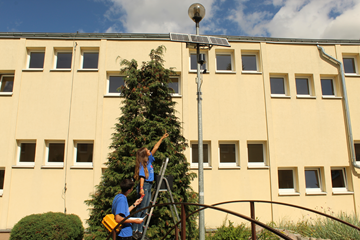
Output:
x,y
120,207
150,169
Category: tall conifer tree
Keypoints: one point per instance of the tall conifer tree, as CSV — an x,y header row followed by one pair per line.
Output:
x,y
147,112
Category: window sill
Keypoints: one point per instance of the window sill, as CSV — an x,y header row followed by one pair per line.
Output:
x,y
24,166
251,72
88,70
289,194
257,167
205,167
61,70
81,167
176,95
112,95
229,167
306,96
352,75
52,166
315,193
279,96
226,72
331,97
6,93
33,70
201,71
342,193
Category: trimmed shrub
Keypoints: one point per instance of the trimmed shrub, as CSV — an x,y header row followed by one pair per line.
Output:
x,y
48,226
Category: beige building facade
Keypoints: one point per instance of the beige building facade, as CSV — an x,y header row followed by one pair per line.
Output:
x,y
274,121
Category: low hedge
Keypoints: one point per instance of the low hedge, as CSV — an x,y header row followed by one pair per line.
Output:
x,y
48,226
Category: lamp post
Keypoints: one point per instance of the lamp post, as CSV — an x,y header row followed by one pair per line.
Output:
x,y
196,13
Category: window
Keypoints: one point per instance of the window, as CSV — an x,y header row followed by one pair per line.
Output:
x,y
2,180
6,84
302,86
83,153
286,181
63,60
278,86
327,87
349,65
313,180
26,153
224,62
55,153
195,154
357,151
256,154
174,85
90,60
249,62
193,62
228,154
114,84
338,178
36,60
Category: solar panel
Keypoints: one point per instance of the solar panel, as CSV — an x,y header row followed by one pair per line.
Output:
x,y
199,39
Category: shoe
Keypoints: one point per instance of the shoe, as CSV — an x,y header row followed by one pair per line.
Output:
x,y
137,235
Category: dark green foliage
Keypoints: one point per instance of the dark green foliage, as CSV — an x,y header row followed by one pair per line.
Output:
x,y
147,112
48,226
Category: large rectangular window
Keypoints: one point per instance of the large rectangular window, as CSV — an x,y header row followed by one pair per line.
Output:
x,y
286,181
90,60
224,62
302,86
327,87
193,62
349,65
174,86
338,179
114,84
256,154
2,180
195,155
313,180
63,60
84,153
6,84
228,154
36,60
249,62
55,153
278,86
26,153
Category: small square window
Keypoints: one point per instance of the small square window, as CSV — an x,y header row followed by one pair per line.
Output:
x,y
302,86
195,155
338,178
256,154
90,60
84,153
26,153
193,62
2,180
228,154
114,84
277,85
55,153
224,62
313,180
36,59
249,63
286,181
6,83
63,60
174,85
349,65
327,87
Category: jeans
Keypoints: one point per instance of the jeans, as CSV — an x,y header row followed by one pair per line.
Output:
x,y
145,203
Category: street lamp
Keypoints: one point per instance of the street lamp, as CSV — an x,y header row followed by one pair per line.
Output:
x,y
196,13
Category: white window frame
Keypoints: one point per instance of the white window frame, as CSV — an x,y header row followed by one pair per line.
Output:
x,y
25,164
319,176
83,52
47,163
2,189
82,164
205,165
56,58
340,189
286,86
257,164
355,65
232,62
29,59
179,85
256,54
229,165
289,191
1,81
206,61
333,84
117,94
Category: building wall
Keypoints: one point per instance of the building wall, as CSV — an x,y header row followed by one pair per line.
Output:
x,y
72,106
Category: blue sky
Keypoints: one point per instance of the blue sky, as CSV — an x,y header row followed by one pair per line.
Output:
x,y
268,18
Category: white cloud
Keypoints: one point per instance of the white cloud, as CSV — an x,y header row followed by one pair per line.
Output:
x,y
154,16
303,19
